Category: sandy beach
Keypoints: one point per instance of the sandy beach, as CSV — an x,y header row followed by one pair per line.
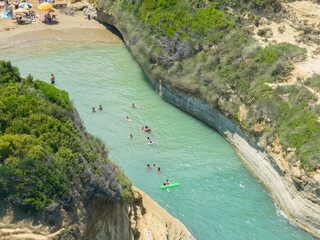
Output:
x,y
75,28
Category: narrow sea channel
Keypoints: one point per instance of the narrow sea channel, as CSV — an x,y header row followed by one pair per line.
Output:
x,y
218,198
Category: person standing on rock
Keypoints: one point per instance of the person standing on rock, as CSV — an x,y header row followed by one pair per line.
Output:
x,y
52,78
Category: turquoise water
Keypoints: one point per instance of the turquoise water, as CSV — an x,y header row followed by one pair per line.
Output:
x,y
218,198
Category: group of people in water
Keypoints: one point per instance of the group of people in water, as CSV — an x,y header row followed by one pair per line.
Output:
x,y
99,108
166,183
145,129
153,166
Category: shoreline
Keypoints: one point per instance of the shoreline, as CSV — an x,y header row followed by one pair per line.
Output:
x,y
155,219
300,210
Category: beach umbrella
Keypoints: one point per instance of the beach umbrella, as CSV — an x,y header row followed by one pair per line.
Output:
x,y
25,5
45,6
21,10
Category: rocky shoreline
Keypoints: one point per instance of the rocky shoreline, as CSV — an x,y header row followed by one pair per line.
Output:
x,y
281,179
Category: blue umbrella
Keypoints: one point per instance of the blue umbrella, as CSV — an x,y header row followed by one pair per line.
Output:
x,y
25,5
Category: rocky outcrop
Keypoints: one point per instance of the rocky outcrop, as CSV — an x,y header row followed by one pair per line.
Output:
x,y
142,219
150,221
294,191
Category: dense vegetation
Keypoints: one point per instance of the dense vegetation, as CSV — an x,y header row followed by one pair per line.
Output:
x,y
206,49
45,153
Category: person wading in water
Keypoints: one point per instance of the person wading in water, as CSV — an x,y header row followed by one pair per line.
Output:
x,y
52,78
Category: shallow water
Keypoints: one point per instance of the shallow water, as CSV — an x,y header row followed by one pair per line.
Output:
x,y
218,198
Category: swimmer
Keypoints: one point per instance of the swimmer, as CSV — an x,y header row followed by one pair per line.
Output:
x,y
166,183
134,106
142,127
148,166
100,107
128,119
130,136
148,139
153,165
159,170
93,109
146,129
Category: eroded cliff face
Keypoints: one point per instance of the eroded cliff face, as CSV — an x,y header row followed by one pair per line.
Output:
x,y
97,218
93,218
296,192
107,221
142,219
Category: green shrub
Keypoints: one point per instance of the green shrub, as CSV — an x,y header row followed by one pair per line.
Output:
x,y
8,73
45,155
53,94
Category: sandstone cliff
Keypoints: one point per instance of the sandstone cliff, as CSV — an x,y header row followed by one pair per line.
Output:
x,y
142,219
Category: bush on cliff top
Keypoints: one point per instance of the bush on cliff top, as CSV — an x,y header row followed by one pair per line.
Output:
x,y
45,153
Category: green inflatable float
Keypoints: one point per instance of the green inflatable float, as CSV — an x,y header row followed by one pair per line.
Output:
x,y
170,186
